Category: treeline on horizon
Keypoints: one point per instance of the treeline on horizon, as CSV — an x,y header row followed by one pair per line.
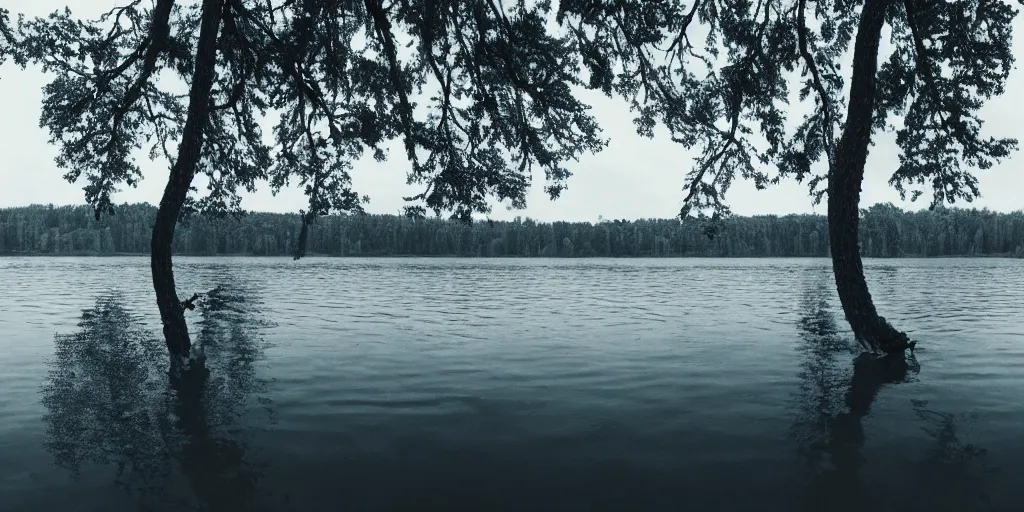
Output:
x,y
886,231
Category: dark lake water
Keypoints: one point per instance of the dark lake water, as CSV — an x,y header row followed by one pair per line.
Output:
x,y
448,384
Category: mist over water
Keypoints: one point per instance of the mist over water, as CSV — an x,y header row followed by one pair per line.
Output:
x,y
375,384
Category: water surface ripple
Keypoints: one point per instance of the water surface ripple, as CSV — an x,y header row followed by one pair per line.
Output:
x,y
420,384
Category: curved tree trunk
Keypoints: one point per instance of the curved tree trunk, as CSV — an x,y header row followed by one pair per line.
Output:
x,y
844,186
172,312
300,247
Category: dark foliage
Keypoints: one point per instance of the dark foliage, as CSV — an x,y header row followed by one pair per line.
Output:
x,y
341,78
720,76
9,47
5,34
886,231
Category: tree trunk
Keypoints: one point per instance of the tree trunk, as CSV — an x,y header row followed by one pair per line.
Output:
x,y
307,219
844,186
172,313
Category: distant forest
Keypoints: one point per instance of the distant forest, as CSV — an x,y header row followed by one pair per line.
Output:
x,y
886,231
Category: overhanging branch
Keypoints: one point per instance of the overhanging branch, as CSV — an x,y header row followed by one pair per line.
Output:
x,y
922,67
159,31
826,105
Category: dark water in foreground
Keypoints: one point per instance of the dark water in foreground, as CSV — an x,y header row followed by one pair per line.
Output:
x,y
510,384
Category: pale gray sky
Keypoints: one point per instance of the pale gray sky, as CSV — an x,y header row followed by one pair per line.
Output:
x,y
634,177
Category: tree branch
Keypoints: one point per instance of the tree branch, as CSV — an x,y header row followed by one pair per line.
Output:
x,y
159,31
382,26
827,134
921,65
288,64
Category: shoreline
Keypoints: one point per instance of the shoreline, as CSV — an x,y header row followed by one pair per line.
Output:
x,y
1010,256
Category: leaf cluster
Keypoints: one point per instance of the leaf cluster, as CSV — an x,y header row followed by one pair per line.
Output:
x,y
480,92
6,35
950,58
341,78
721,76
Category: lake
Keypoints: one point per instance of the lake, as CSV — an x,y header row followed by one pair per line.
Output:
x,y
508,384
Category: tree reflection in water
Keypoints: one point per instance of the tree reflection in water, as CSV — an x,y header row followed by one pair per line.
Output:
x,y
953,474
833,401
173,439
105,395
832,404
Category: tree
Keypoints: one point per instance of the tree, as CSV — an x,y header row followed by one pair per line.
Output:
x,y
728,98
7,39
336,74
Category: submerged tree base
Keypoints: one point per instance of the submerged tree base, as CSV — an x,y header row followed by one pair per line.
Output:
x,y
883,336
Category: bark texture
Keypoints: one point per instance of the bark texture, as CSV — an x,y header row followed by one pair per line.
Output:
x,y
172,312
844,187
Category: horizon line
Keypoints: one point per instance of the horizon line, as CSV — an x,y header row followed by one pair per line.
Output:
x,y
485,217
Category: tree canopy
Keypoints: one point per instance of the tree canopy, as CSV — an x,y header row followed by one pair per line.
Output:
x,y
341,77
480,92
721,77
6,35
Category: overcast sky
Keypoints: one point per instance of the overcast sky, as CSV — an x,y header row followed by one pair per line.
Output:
x,y
634,177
